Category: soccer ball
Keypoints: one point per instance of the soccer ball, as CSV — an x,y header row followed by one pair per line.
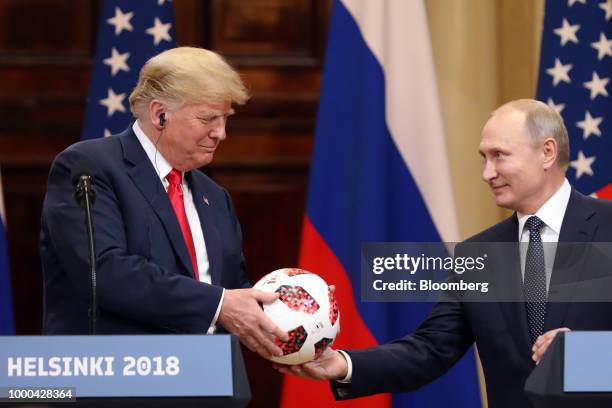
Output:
x,y
306,310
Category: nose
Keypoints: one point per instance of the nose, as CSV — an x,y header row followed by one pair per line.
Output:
x,y
218,130
488,171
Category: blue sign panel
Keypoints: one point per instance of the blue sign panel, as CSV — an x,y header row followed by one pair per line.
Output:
x,y
588,362
119,366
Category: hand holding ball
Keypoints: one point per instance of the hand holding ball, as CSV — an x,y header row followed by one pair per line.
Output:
x,y
306,310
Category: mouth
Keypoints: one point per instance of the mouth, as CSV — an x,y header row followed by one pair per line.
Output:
x,y
499,188
209,149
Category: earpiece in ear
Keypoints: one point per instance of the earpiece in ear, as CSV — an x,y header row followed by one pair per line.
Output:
x,y
162,119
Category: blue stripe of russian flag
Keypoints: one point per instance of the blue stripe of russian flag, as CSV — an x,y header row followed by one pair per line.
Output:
x,y
6,304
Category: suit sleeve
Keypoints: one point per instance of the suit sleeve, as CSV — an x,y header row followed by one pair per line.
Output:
x,y
130,286
412,361
243,282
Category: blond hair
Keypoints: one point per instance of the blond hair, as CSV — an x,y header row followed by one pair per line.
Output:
x,y
187,75
542,121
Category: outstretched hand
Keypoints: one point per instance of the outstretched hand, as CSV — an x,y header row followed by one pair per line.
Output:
x,y
331,365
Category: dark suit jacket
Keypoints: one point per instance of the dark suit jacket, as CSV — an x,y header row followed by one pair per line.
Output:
x,y
499,329
145,278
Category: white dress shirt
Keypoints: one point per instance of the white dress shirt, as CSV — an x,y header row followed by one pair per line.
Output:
x,y
163,168
551,213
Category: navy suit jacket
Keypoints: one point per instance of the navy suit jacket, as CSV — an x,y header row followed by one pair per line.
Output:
x,y
500,330
144,274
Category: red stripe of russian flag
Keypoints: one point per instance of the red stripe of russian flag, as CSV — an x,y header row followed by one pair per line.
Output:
x,y
317,257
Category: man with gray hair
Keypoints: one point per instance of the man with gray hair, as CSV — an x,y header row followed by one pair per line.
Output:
x,y
169,246
525,153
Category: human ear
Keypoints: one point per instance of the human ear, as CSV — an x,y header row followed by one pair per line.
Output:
x,y
156,113
549,152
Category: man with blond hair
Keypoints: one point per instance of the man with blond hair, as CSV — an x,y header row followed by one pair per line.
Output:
x,y
525,153
169,246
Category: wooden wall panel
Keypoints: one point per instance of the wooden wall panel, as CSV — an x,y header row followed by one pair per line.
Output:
x,y
46,27
23,190
253,28
46,51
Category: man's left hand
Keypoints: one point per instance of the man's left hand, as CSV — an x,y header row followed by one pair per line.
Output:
x,y
542,343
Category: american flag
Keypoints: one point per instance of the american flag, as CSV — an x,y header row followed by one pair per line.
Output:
x,y
130,32
575,72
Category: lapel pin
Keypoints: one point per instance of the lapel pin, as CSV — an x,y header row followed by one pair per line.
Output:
x,y
206,200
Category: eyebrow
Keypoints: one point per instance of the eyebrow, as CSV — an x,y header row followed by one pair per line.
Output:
x,y
215,113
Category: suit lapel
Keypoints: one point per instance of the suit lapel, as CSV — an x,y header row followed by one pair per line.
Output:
x,y
578,226
147,181
205,208
510,280
578,223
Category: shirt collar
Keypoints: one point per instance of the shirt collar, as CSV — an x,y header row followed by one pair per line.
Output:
x,y
552,212
159,162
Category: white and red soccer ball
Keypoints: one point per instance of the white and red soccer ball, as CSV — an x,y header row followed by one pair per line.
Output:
x,y
306,310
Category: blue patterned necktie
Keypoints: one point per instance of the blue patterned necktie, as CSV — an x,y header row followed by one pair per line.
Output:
x,y
534,285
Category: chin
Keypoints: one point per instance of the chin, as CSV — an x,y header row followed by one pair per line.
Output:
x,y
203,161
504,202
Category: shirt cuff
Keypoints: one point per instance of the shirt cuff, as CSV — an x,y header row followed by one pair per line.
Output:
x,y
349,372
213,324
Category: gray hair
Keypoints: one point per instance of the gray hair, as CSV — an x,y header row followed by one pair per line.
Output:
x,y
541,122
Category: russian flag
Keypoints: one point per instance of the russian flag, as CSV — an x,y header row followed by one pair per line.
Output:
x,y
7,324
379,173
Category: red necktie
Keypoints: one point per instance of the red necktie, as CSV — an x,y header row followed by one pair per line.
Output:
x,y
175,193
